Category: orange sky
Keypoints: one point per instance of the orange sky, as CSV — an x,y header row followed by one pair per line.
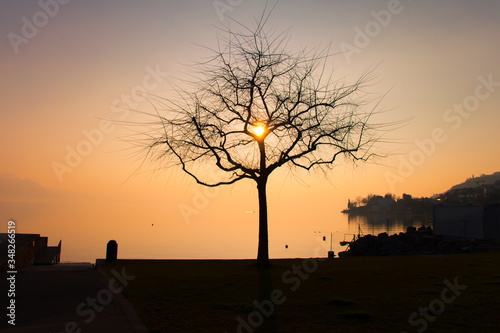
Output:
x,y
437,62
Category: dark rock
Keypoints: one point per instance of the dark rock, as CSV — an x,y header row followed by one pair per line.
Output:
x,y
413,242
383,235
411,229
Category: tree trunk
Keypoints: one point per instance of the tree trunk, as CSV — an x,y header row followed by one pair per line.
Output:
x,y
263,252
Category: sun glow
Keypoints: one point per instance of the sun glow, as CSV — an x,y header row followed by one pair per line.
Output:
x,y
259,130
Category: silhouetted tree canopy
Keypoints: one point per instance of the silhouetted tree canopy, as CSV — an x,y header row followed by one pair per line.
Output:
x,y
256,106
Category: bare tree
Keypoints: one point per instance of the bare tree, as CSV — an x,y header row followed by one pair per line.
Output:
x,y
255,106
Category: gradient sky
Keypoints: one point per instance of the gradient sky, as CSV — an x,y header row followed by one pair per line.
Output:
x,y
430,57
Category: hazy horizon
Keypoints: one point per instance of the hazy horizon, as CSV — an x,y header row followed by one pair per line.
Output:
x,y
67,70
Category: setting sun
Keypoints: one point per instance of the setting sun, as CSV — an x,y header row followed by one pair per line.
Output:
x,y
260,129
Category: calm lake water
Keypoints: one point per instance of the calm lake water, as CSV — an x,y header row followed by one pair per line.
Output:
x,y
85,233
375,224
311,240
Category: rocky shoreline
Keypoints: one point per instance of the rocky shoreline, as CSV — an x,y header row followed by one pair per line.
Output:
x,y
421,241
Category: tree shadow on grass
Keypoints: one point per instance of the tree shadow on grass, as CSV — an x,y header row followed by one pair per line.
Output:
x,y
265,306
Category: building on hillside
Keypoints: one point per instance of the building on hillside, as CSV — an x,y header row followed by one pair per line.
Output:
x,y
467,221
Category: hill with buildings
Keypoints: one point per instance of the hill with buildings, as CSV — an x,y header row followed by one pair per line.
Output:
x,y
483,180
390,204
484,189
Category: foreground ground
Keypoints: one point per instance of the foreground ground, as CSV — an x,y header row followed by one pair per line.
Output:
x,y
55,298
453,293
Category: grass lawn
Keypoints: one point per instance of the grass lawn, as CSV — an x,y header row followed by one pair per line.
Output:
x,y
364,294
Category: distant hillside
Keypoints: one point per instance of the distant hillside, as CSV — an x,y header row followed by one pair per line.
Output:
x,y
484,189
478,181
13,188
